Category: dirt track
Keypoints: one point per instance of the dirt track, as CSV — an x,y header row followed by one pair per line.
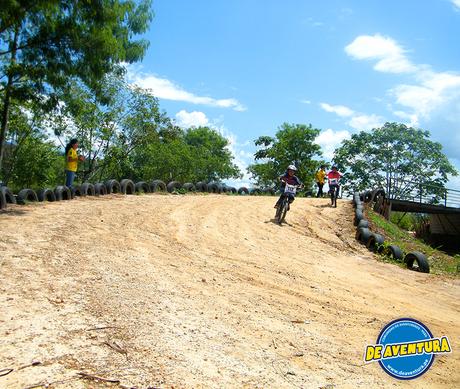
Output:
x,y
205,291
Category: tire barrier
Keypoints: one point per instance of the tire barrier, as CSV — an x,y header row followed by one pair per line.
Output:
x,y
189,187
224,188
112,186
233,190
8,195
363,223
375,243
142,187
75,190
2,201
157,186
26,195
46,195
363,235
201,186
62,193
269,191
87,189
255,192
419,260
100,189
214,188
173,186
358,216
393,252
243,191
127,187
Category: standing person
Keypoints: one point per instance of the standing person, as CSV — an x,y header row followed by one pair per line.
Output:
x,y
319,178
71,161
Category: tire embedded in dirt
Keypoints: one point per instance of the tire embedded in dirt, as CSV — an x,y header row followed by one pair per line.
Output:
x,y
363,235
173,186
87,189
189,187
127,187
394,252
243,191
113,186
142,187
46,195
419,259
26,195
62,192
157,186
8,195
100,189
375,243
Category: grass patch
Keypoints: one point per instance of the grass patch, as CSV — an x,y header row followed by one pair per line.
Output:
x,y
440,262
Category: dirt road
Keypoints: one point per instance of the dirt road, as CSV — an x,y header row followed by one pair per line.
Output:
x,y
204,291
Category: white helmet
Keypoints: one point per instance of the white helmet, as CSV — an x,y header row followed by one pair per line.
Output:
x,y
292,167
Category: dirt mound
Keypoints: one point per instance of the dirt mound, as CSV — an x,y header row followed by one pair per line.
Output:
x,y
204,291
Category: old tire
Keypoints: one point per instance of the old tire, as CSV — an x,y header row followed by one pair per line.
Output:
x,y
8,196
255,192
46,195
189,187
87,189
214,188
100,189
233,190
367,196
2,201
142,187
173,186
112,186
243,191
375,243
62,193
157,186
75,190
201,186
376,193
358,216
25,195
127,187
363,223
394,252
363,235
417,261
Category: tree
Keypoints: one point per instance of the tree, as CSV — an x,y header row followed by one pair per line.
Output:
x,y
44,44
394,157
292,144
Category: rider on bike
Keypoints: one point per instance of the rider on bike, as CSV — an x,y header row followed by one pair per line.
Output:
x,y
333,178
288,178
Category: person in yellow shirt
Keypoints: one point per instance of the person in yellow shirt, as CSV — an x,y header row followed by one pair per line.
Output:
x,y
319,178
71,162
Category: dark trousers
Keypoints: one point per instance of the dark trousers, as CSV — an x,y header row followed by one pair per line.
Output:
x,y
320,189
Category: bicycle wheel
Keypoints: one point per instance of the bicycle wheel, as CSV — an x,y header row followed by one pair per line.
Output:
x,y
283,210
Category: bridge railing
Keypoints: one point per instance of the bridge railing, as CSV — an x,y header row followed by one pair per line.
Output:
x,y
424,193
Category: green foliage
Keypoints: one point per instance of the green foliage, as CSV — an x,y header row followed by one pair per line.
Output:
x,y
31,161
393,156
46,44
293,144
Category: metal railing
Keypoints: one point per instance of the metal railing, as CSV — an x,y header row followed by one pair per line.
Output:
x,y
423,193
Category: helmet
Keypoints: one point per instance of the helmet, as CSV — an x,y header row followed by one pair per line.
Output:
x,y
334,167
292,167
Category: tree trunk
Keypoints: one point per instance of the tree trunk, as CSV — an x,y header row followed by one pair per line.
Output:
x,y
7,98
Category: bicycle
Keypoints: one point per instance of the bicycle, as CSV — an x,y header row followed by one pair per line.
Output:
x,y
288,198
334,189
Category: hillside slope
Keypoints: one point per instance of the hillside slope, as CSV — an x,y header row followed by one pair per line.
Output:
x,y
204,291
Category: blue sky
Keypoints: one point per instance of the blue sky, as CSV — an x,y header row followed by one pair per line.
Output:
x,y
246,66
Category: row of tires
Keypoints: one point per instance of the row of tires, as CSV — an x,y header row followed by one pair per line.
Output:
x,y
125,186
414,260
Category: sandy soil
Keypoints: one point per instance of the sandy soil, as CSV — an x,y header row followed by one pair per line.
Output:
x,y
204,291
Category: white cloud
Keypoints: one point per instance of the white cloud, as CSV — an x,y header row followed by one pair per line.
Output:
x,y
389,55
166,89
358,121
456,4
366,122
329,140
191,119
339,110
305,101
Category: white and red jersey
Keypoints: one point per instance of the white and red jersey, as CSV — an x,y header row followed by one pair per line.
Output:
x,y
333,177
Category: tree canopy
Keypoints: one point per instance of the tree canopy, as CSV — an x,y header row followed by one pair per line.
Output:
x,y
394,156
292,144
